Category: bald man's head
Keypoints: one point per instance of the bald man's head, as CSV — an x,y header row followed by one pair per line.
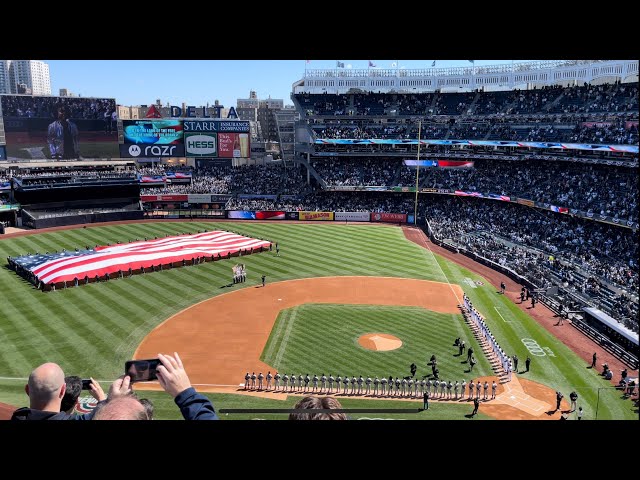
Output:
x,y
46,387
126,407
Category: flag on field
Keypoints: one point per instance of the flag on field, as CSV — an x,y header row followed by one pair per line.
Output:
x,y
371,64
339,64
100,261
472,61
433,64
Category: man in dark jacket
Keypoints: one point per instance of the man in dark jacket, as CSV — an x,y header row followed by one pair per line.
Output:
x,y
46,389
476,405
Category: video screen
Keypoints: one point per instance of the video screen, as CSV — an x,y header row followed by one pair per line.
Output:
x,y
59,128
153,132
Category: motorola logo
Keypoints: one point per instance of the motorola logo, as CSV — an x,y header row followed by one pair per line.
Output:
x,y
134,150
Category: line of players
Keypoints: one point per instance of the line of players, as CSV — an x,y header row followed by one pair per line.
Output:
x,y
398,387
503,358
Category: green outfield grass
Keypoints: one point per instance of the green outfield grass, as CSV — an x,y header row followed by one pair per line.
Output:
x,y
323,338
92,330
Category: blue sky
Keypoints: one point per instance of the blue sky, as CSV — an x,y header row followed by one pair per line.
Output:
x,y
196,82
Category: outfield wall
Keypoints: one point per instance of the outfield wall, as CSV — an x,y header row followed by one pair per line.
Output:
x,y
174,211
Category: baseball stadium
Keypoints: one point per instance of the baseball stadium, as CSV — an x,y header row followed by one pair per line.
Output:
x,y
432,244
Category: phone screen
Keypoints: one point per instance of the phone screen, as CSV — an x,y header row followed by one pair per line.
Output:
x,y
86,384
142,370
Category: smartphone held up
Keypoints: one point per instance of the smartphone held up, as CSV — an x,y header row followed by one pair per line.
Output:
x,y
141,370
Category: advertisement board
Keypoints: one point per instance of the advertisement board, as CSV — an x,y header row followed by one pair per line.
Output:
x,y
199,198
164,198
320,216
259,215
214,125
388,217
234,145
47,127
144,151
270,215
3,152
243,214
524,201
292,215
352,216
200,145
152,131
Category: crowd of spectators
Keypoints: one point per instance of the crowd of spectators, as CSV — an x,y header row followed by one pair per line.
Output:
x,y
72,176
617,130
244,179
585,99
320,201
43,107
598,189
592,258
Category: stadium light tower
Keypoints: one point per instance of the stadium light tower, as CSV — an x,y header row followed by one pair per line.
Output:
x,y
415,209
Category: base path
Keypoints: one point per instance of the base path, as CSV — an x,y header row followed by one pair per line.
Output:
x,y
223,337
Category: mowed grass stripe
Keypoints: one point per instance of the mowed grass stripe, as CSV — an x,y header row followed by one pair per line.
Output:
x,y
324,339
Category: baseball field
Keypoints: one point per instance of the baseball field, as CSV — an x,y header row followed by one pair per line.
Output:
x,y
339,299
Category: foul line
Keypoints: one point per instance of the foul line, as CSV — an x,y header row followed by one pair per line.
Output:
x,y
505,321
445,275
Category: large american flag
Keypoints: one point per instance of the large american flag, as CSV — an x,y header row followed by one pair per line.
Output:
x,y
54,268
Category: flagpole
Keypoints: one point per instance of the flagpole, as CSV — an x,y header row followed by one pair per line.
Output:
x,y
415,208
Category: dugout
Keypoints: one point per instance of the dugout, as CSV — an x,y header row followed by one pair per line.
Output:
x,y
617,338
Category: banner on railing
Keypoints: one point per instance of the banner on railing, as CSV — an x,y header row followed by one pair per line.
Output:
x,y
199,198
164,198
482,143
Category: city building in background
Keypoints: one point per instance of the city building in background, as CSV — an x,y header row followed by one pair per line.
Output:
x,y
5,83
25,76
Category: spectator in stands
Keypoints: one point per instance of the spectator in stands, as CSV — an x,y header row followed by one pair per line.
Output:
x,y
126,407
318,404
46,389
71,394
62,135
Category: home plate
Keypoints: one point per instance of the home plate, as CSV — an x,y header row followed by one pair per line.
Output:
x,y
512,397
279,299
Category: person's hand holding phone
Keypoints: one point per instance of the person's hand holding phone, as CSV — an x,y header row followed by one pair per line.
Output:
x,y
96,390
172,375
120,387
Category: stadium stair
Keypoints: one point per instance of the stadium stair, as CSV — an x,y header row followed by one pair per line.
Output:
x,y
472,108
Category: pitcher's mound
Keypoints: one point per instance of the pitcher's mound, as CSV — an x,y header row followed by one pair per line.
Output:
x,y
379,342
